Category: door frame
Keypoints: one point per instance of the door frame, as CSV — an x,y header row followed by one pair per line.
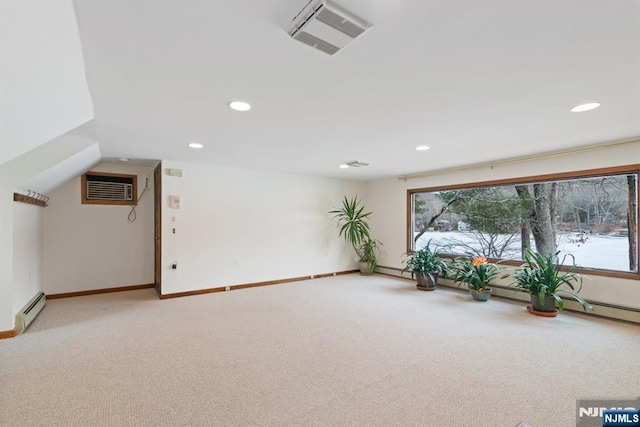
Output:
x,y
157,227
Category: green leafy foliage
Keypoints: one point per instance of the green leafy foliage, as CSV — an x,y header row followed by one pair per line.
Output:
x,y
354,227
367,251
426,261
487,209
419,205
476,272
542,275
353,221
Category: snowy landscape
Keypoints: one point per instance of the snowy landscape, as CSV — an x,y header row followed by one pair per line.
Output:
x,y
590,250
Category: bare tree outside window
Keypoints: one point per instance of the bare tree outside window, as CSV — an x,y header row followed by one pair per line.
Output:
x,y
593,217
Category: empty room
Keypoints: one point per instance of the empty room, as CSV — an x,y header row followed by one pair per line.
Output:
x,y
319,212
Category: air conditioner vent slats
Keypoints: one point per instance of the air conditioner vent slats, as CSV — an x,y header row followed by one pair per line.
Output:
x,y
108,188
338,22
109,191
327,27
313,41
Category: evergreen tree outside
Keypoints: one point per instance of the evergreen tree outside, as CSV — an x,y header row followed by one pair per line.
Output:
x,y
504,221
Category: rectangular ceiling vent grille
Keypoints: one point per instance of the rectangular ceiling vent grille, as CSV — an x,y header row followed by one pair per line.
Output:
x,y
103,188
356,164
326,26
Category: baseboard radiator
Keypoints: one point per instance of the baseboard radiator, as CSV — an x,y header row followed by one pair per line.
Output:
x,y
30,311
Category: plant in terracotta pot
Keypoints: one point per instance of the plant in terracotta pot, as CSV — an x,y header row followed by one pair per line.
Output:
x,y
426,265
477,273
354,226
542,277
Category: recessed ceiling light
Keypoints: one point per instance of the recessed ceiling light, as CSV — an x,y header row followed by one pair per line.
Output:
x,y
344,166
195,145
240,105
123,159
585,107
422,147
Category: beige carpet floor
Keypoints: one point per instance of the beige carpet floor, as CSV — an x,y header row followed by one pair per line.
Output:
x,y
340,351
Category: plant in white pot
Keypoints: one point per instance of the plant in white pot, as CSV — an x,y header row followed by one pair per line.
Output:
x,y
368,259
354,226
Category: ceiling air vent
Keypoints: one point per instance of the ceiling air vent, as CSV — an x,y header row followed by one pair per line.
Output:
x,y
356,164
353,164
326,26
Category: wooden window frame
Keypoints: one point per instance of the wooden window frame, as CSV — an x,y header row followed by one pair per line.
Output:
x,y
590,173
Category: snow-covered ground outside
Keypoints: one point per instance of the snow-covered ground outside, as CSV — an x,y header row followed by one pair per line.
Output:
x,y
589,250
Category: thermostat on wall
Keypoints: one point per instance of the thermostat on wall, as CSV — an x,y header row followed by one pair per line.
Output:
x,y
174,202
174,172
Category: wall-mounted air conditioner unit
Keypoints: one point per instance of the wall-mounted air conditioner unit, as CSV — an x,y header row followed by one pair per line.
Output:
x,y
108,188
326,26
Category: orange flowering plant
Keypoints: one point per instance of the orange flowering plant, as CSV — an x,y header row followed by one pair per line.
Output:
x,y
476,272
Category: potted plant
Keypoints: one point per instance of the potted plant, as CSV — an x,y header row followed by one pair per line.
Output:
x,y
367,253
477,273
354,226
425,264
541,276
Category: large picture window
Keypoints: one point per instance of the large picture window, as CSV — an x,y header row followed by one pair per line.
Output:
x,y
592,215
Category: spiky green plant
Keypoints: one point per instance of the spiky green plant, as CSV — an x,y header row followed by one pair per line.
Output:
x,y
367,251
426,261
542,275
477,273
354,227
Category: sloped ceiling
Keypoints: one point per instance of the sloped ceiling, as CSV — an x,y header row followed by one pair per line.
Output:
x,y
51,164
63,171
476,81
43,90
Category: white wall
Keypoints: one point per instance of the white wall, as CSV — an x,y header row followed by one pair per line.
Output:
x,y
6,255
239,226
13,175
43,94
44,91
388,199
27,253
87,247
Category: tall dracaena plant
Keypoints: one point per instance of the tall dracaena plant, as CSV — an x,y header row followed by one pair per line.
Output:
x,y
353,223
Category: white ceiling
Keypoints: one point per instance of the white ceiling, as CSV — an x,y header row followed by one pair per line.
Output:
x,y
476,81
